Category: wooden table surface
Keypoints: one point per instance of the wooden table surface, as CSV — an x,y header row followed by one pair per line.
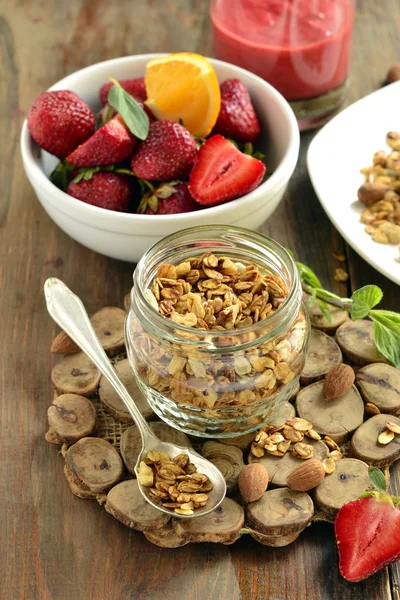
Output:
x,y
53,545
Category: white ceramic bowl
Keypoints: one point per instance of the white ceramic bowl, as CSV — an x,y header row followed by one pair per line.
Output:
x,y
127,236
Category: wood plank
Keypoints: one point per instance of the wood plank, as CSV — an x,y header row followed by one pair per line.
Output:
x,y
55,546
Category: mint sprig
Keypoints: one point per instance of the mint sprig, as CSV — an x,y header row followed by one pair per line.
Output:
x,y
377,479
361,305
132,113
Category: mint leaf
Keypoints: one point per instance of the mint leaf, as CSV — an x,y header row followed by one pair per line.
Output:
x,y
60,175
387,335
325,311
132,113
377,479
312,299
308,276
363,300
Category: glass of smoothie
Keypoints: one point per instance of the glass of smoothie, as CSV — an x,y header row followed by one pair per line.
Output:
x,y
301,47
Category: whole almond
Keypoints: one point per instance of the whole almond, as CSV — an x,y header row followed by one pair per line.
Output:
x,y
370,192
338,381
253,482
306,476
62,344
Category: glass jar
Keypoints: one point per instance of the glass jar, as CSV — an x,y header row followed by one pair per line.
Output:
x,y
301,47
217,383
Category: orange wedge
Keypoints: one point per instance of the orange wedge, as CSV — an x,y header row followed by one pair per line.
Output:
x,y
183,87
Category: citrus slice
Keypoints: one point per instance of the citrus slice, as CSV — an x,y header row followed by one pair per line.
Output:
x,y
183,87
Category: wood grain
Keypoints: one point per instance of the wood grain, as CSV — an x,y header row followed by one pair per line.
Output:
x,y
53,545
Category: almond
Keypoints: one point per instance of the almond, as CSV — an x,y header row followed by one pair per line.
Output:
x,y
306,476
62,344
338,381
253,482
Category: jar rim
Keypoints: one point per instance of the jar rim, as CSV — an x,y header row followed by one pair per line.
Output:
x,y
227,234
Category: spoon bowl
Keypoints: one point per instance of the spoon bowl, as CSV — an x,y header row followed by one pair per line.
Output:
x,y
69,313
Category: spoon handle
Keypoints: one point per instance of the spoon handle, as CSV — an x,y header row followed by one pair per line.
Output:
x,y
69,313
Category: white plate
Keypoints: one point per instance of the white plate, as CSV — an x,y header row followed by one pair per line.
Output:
x,y
335,156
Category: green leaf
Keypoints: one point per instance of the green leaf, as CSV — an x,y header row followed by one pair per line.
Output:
x,y
248,148
60,175
312,299
308,276
389,314
377,479
233,142
260,156
364,299
87,174
132,113
325,311
387,335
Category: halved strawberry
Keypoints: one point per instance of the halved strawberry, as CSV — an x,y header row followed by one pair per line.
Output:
x,y
168,199
368,535
134,87
221,172
110,144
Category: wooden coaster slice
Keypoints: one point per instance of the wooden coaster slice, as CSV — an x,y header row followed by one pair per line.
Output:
x,y
94,464
380,384
346,483
323,354
71,417
365,446
319,321
228,459
126,503
165,537
280,467
279,516
75,374
74,486
356,340
131,442
335,418
108,324
112,401
221,526
241,441
285,411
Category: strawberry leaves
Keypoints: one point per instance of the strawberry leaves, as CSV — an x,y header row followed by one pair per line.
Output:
x,y
60,175
132,113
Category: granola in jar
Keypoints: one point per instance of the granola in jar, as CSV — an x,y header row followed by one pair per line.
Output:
x,y
228,351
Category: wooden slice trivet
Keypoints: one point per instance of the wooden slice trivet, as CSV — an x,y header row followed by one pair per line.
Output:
x,y
323,354
126,503
380,384
228,459
165,537
365,446
319,321
71,417
75,374
279,516
94,464
112,401
131,442
335,418
357,342
108,324
279,467
241,441
75,487
346,483
221,526
285,411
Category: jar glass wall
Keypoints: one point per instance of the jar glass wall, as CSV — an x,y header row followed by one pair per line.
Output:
x,y
223,381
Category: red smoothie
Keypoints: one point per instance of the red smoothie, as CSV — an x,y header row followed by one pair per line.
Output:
x,y
301,47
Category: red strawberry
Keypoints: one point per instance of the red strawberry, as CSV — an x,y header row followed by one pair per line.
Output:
x,y
221,172
134,87
367,535
110,144
167,153
104,189
237,118
168,199
60,121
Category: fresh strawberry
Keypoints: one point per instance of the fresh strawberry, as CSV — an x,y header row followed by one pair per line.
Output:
x,y
168,199
110,144
237,118
104,189
60,121
134,87
167,153
221,172
367,535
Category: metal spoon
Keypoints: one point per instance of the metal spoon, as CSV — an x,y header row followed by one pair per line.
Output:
x,y
69,313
